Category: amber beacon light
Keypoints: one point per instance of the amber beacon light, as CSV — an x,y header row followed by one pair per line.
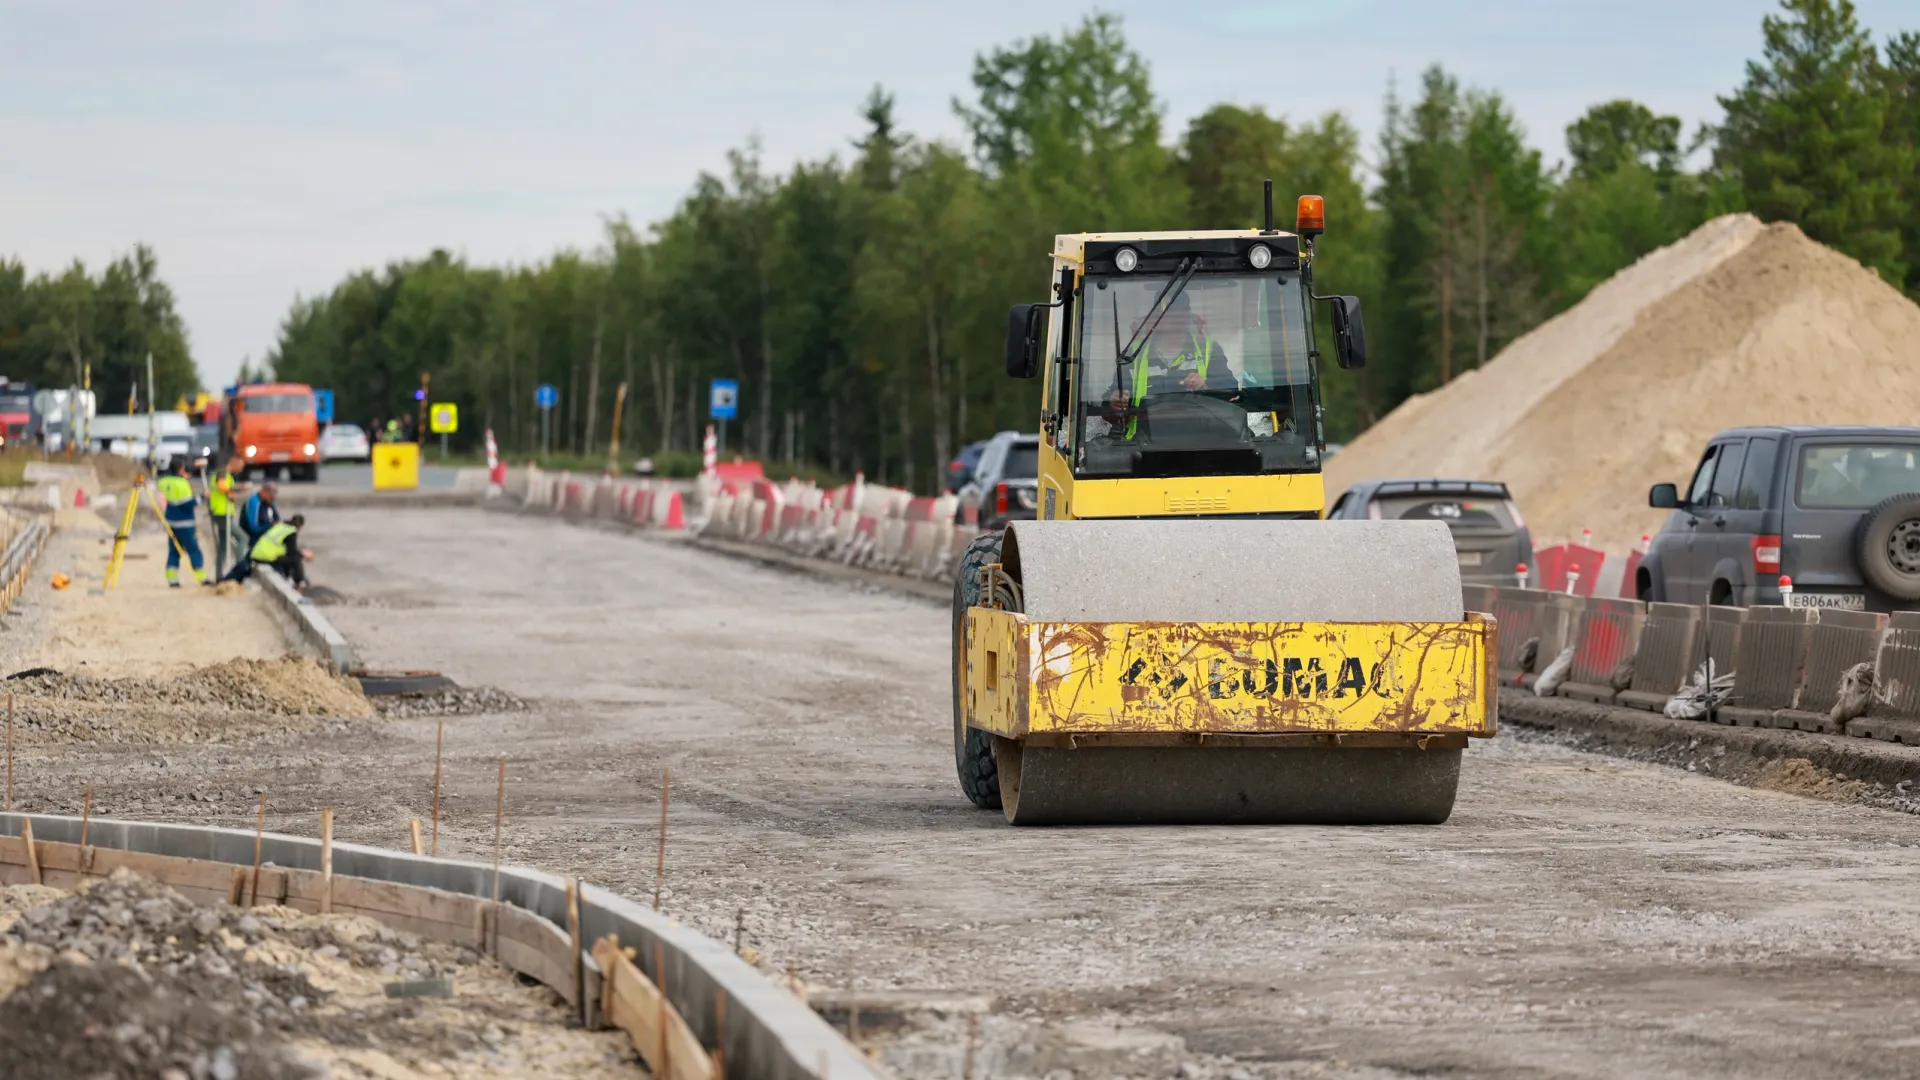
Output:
x,y
1311,220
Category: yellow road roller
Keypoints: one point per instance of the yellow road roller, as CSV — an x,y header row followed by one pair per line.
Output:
x,y
1177,637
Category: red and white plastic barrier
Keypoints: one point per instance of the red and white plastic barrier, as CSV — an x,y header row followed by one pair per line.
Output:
x,y
857,524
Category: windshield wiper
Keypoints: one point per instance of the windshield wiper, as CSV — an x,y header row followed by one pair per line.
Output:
x,y
1155,312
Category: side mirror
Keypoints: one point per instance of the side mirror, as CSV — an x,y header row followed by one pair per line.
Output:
x,y
1663,497
1349,332
1023,339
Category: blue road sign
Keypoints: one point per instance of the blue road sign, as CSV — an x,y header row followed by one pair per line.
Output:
x,y
323,406
546,396
723,399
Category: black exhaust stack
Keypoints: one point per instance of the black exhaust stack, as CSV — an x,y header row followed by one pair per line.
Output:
x,y
1269,230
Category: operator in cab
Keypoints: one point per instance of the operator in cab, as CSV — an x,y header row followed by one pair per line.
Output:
x,y
1179,356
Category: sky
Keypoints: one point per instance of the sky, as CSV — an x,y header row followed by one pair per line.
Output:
x,y
265,149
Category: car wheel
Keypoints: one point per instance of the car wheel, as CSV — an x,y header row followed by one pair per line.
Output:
x,y
1888,547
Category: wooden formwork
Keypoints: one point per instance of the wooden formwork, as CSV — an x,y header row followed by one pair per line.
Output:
x,y
521,940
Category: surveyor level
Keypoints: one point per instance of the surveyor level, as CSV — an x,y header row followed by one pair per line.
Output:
x,y
1178,637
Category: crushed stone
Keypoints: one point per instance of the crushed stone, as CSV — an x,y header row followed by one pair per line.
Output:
x,y
127,978
456,701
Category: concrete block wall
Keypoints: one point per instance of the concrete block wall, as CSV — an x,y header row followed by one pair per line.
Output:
x,y
1787,664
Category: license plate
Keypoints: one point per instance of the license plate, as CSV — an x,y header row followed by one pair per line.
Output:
x,y
1472,558
1843,601
281,457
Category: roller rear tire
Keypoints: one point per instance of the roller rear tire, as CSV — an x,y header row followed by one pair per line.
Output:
x,y
972,748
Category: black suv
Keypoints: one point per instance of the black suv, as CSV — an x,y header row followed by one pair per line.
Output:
x,y
1836,509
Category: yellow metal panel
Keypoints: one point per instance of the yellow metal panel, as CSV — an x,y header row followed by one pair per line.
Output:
x,y
396,466
999,645
1236,678
1191,496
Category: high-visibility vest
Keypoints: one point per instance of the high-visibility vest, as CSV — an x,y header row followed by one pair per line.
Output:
x,y
218,504
1203,357
272,544
178,495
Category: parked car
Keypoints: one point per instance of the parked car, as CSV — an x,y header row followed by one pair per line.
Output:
x,y
344,442
1005,483
1489,534
1837,509
174,445
960,469
204,444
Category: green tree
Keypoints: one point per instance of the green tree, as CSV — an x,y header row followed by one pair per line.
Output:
x,y
1619,133
1625,194
1467,260
1901,76
1806,135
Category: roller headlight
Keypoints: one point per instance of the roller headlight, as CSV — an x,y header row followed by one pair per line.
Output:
x,y
1126,259
252,450
1260,255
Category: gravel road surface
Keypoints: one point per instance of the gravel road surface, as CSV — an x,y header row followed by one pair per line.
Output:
x,y
1579,916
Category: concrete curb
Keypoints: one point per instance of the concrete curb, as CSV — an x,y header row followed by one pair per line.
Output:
x,y
778,558
769,1033
321,498
307,627
1631,730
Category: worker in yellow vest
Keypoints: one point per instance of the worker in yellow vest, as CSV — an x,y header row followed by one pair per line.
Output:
x,y
278,547
222,490
177,492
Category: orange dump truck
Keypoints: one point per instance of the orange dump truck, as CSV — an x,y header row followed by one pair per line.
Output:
x,y
272,427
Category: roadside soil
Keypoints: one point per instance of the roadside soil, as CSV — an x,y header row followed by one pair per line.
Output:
x,y
140,627
127,978
1579,916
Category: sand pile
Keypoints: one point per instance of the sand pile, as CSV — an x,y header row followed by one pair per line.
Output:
x,y
1738,323
236,699
127,978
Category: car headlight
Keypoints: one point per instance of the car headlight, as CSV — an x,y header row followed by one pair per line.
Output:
x,y
307,449
252,450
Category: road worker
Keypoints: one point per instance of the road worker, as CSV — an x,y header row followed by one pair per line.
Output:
x,y
181,502
257,515
222,489
278,547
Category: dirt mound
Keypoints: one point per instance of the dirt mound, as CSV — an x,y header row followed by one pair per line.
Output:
x,y
127,978
235,699
1798,776
1738,323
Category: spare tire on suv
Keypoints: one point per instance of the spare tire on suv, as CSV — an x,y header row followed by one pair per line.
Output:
x,y
1888,547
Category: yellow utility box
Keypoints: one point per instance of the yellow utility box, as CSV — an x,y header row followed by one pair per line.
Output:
x,y
396,467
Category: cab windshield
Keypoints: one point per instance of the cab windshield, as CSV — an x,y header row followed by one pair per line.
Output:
x,y
1221,384
279,403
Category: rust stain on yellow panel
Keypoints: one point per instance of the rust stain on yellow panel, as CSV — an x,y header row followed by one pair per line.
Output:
x,y
1244,678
